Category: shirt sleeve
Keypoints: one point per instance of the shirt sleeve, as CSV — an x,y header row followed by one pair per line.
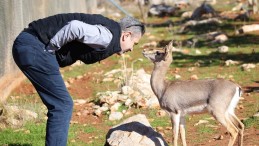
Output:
x,y
96,36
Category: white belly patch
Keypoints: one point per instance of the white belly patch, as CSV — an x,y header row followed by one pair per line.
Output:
x,y
195,109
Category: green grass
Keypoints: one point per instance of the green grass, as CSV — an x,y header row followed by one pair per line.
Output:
x,y
30,135
33,134
90,129
156,121
252,122
203,129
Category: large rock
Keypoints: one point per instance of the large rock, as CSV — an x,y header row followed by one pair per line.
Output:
x,y
135,131
15,116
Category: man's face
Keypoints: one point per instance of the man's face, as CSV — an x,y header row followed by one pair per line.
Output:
x,y
127,41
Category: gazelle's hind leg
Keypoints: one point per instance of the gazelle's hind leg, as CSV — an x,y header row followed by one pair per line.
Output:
x,y
240,126
233,130
224,119
230,113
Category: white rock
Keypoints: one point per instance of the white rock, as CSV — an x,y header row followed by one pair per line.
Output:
x,y
128,102
79,101
256,115
115,107
153,102
104,108
122,97
126,90
191,69
201,122
98,112
115,116
141,101
223,49
29,114
248,28
79,77
108,79
247,67
221,38
194,77
95,106
134,131
67,84
176,76
197,52
231,62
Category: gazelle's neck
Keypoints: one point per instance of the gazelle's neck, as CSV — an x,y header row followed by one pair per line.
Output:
x,y
158,82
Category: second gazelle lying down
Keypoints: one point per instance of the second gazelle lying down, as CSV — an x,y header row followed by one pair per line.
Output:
x,y
217,96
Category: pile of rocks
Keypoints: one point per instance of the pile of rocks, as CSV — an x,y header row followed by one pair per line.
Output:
x,y
137,94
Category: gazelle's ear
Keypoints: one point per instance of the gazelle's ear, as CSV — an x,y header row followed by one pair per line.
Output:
x,y
170,46
167,49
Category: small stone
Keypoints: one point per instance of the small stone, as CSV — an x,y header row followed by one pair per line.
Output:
x,y
98,112
73,141
169,128
176,70
78,114
161,113
79,101
115,116
197,52
194,77
256,115
115,107
231,62
126,90
201,122
219,137
70,80
128,102
223,49
159,128
104,108
191,69
247,67
176,76
73,122
79,77
67,84
240,107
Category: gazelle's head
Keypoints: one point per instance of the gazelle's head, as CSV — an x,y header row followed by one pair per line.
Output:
x,y
159,54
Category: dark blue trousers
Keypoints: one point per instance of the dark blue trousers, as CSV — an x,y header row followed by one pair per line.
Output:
x,y
42,69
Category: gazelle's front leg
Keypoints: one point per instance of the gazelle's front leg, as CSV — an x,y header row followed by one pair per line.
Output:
x,y
175,119
182,130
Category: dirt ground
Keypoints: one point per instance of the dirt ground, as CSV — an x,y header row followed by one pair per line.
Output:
x,y
80,88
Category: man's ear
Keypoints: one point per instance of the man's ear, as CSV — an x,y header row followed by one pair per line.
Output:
x,y
126,34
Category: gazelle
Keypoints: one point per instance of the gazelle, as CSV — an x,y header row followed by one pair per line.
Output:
x,y
217,96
